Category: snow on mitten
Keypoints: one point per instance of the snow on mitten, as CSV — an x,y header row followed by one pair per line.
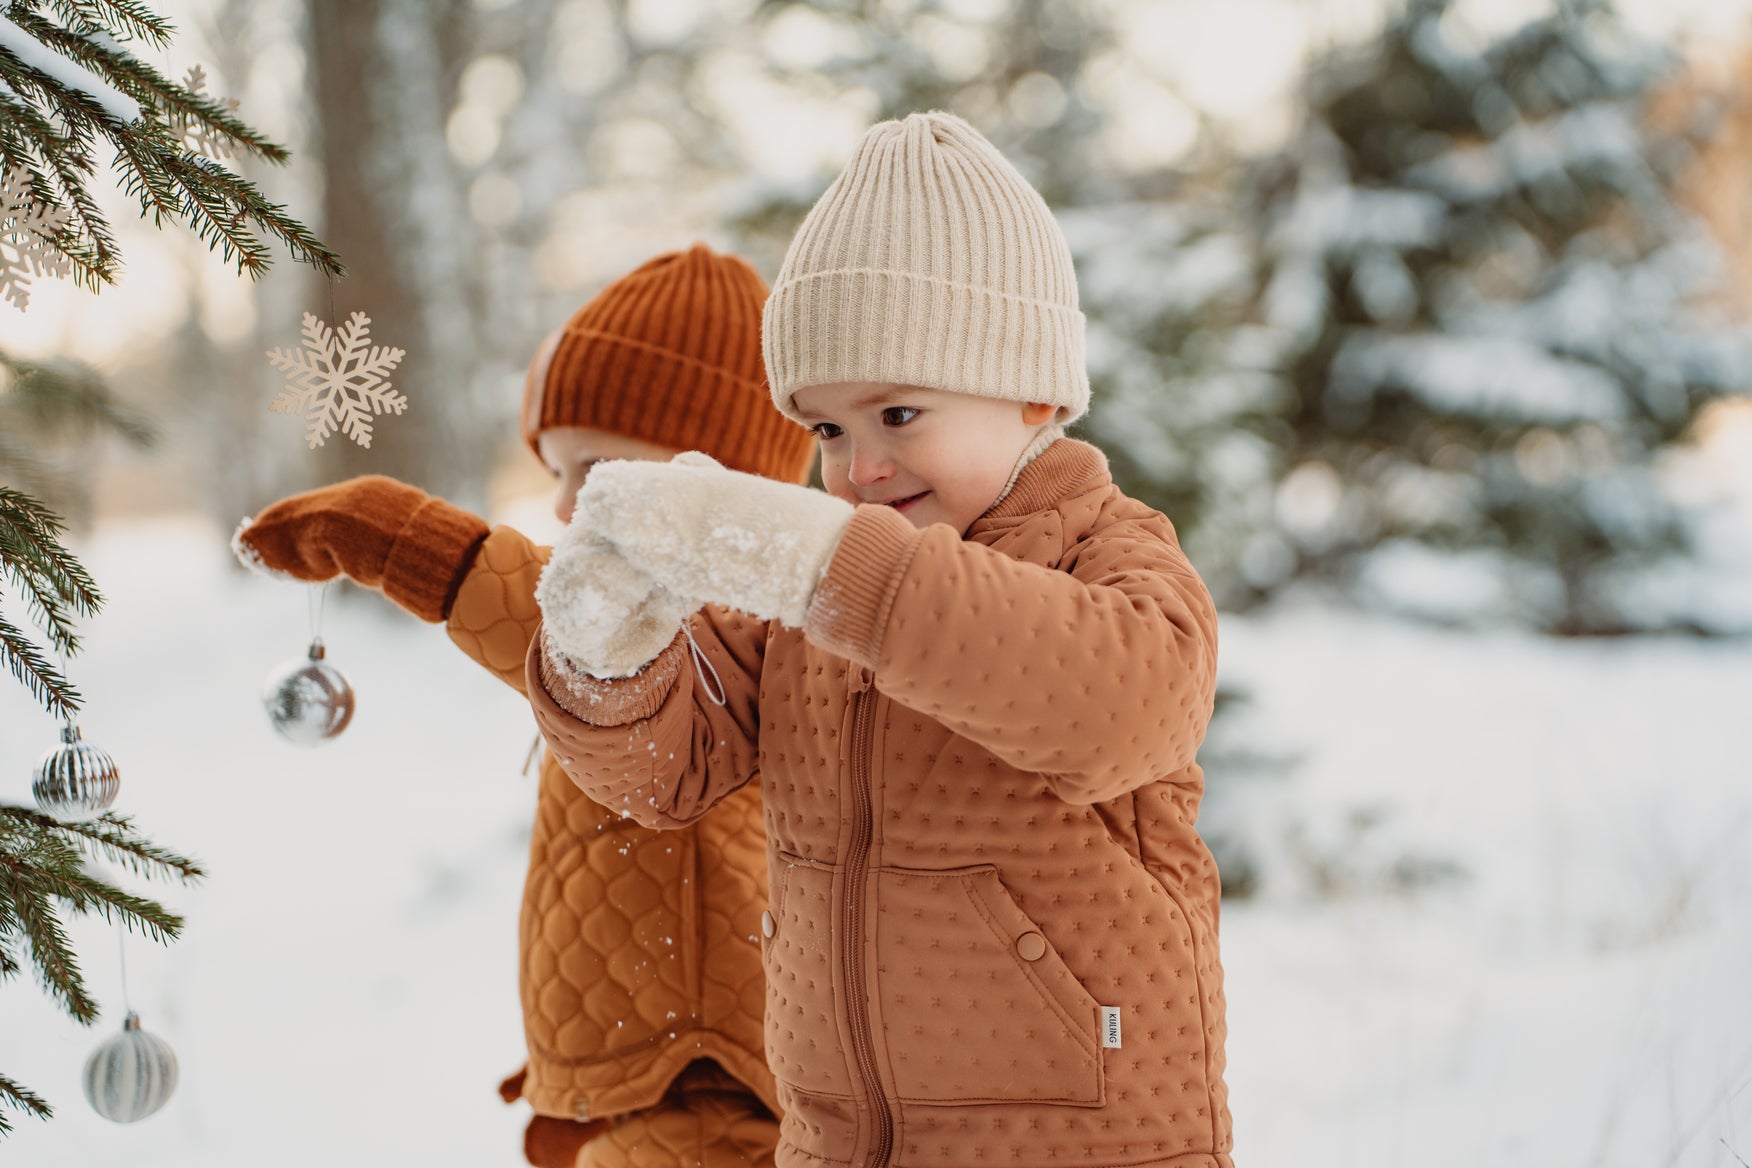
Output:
x,y
727,537
608,618
379,532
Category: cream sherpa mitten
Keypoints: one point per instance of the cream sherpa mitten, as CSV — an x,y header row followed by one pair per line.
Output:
x,y
608,617
729,538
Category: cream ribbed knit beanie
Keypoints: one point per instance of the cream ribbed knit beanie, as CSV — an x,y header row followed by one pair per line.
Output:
x,y
930,261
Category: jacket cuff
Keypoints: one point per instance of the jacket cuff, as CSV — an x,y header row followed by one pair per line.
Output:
x,y
430,556
615,701
850,610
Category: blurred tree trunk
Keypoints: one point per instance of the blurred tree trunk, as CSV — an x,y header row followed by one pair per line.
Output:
x,y
383,76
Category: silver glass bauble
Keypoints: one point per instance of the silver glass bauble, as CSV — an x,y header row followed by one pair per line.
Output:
x,y
130,1076
75,780
307,699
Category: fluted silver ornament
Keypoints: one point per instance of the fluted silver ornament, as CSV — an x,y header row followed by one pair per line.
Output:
x,y
307,699
130,1076
75,780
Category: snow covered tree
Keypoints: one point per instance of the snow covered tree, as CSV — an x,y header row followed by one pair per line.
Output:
x,y
67,83
1473,311
1017,69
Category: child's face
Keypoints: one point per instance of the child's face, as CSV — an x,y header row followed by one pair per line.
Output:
x,y
936,457
570,451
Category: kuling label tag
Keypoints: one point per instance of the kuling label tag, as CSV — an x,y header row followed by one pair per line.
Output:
x,y
1110,1026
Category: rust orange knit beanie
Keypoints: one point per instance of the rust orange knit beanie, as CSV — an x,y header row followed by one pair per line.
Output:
x,y
670,353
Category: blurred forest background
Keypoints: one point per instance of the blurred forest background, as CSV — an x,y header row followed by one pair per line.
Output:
x,y
1410,304
1426,322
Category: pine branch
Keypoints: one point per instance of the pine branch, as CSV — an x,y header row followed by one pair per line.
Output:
x,y
114,838
151,158
51,952
154,91
41,867
86,894
31,554
126,19
44,681
210,210
243,200
53,399
20,1098
29,140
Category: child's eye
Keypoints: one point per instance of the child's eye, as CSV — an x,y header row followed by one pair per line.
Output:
x,y
825,430
898,415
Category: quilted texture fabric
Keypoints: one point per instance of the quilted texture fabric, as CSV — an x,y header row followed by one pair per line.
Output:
x,y
978,765
639,949
707,1120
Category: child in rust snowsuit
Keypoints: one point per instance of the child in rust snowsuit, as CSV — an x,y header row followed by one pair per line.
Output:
x,y
972,678
639,970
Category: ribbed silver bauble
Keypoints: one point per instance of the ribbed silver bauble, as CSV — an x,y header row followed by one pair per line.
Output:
x,y
307,699
75,780
130,1076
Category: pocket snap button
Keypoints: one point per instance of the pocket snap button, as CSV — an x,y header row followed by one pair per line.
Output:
x,y
767,927
1031,946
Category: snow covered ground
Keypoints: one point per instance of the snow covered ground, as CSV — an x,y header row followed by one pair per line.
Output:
x,y
1506,918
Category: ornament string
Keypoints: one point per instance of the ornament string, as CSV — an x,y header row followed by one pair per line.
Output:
x,y
701,662
317,595
122,954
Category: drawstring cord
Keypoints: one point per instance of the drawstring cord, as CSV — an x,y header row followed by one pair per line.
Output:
x,y
701,663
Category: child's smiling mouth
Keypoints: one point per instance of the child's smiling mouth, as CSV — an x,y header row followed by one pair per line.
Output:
x,y
902,504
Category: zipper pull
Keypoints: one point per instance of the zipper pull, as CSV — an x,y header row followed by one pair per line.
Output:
x,y
861,680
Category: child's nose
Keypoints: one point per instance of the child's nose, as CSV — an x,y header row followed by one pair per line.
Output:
x,y
869,466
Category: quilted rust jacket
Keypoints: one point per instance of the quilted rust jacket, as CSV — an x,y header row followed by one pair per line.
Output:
x,y
617,921
992,935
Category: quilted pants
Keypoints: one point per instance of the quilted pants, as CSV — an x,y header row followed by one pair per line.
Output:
x,y
707,1120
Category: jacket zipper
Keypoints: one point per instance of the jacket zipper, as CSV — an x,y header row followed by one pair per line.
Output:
x,y
857,873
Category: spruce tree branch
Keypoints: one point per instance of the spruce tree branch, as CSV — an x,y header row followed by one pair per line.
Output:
x,y
43,681
20,1098
81,110
251,204
114,837
27,139
143,177
126,19
54,399
152,160
49,863
209,210
155,92
51,953
30,534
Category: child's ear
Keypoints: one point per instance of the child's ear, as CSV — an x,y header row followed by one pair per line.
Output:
x,y
1035,413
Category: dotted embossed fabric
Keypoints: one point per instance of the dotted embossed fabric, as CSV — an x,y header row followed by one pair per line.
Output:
x,y
638,949
979,770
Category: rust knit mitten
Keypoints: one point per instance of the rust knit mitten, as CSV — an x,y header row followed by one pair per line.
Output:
x,y
375,530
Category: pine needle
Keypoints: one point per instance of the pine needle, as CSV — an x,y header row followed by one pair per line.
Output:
x,y
20,1098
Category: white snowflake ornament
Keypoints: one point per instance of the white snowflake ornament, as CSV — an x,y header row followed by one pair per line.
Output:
x,y
195,135
335,380
27,237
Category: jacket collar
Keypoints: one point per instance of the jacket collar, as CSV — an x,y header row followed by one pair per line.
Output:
x,y
1065,469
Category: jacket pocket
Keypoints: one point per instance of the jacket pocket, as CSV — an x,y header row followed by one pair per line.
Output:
x,y
976,1005
797,954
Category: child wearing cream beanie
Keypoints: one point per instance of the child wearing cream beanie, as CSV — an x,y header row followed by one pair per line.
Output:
x,y
971,679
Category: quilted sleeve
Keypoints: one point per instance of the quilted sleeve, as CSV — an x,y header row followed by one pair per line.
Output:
x,y
1101,678
494,616
658,747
